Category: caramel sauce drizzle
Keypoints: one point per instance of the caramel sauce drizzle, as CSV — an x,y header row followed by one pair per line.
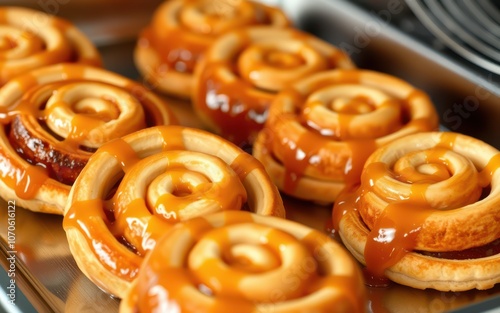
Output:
x,y
244,164
180,48
178,51
31,104
174,276
122,152
89,217
487,173
395,231
133,220
238,111
301,153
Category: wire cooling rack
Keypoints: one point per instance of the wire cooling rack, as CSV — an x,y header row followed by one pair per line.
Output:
x,y
470,28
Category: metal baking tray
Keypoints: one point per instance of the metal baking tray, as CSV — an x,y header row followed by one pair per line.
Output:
x,y
45,270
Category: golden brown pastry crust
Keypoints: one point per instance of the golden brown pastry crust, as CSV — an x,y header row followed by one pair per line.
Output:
x,y
241,73
32,39
321,130
259,263
181,30
172,174
54,117
457,217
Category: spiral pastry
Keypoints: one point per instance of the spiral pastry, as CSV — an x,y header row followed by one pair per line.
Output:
x,y
254,263
135,188
181,30
321,130
54,118
426,213
31,39
243,70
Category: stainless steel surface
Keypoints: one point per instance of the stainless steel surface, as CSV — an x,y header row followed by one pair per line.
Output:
x,y
468,101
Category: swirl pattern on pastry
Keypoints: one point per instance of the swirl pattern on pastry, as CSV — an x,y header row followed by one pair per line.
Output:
x,y
136,188
242,72
426,213
321,130
53,118
180,32
254,263
30,39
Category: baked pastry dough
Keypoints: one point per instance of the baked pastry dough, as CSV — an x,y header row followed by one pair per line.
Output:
x,y
31,39
426,213
53,118
134,189
181,30
321,130
242,71
230,260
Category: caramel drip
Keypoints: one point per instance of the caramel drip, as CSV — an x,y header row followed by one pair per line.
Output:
x,y
122,152
72,72
394,233
235,107
173,138
360,151
29,182
346,202
344,124
487,173
448,140
244,164
299,155
135,223
177,49
89,218
80,126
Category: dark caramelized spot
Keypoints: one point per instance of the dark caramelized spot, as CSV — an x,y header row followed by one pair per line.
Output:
x,y
63,166
490,249
122,240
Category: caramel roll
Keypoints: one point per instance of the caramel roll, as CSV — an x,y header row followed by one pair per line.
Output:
x,y
426,213
136,188
30,39
54,118
180,32
244,70
229,260
321,130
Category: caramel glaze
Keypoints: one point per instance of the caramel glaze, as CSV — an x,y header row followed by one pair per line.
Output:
x,y
219,281
395,231
238,111
298,152
47,154
179,48
236,108
74,47
135,226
